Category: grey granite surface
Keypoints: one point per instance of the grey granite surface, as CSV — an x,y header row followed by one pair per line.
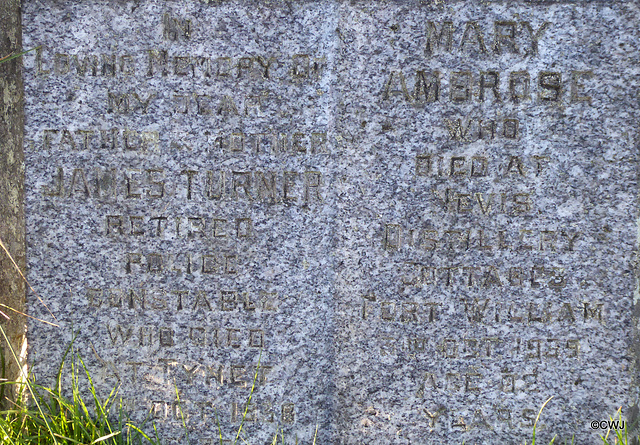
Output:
x,y
419,218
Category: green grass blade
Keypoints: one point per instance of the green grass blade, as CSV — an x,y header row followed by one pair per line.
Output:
x,y
101,412
14,56
246,407
139,431
15,357
535,424
184,424
68,439
215,411
103,438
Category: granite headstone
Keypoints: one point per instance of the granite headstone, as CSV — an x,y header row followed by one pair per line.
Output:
x,y
416,220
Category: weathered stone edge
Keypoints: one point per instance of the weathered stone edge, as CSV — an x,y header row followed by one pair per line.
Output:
x,y
12,221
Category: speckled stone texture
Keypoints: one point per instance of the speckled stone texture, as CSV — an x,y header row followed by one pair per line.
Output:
x,y
418,217
12,229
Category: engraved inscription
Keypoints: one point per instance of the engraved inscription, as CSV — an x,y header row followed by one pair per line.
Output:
x,y
160,63
188,300
469,38
132,335
481,238
415,274
424,87
295,143
284,187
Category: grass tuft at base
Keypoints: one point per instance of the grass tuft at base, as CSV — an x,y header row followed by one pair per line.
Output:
x,y
66,415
